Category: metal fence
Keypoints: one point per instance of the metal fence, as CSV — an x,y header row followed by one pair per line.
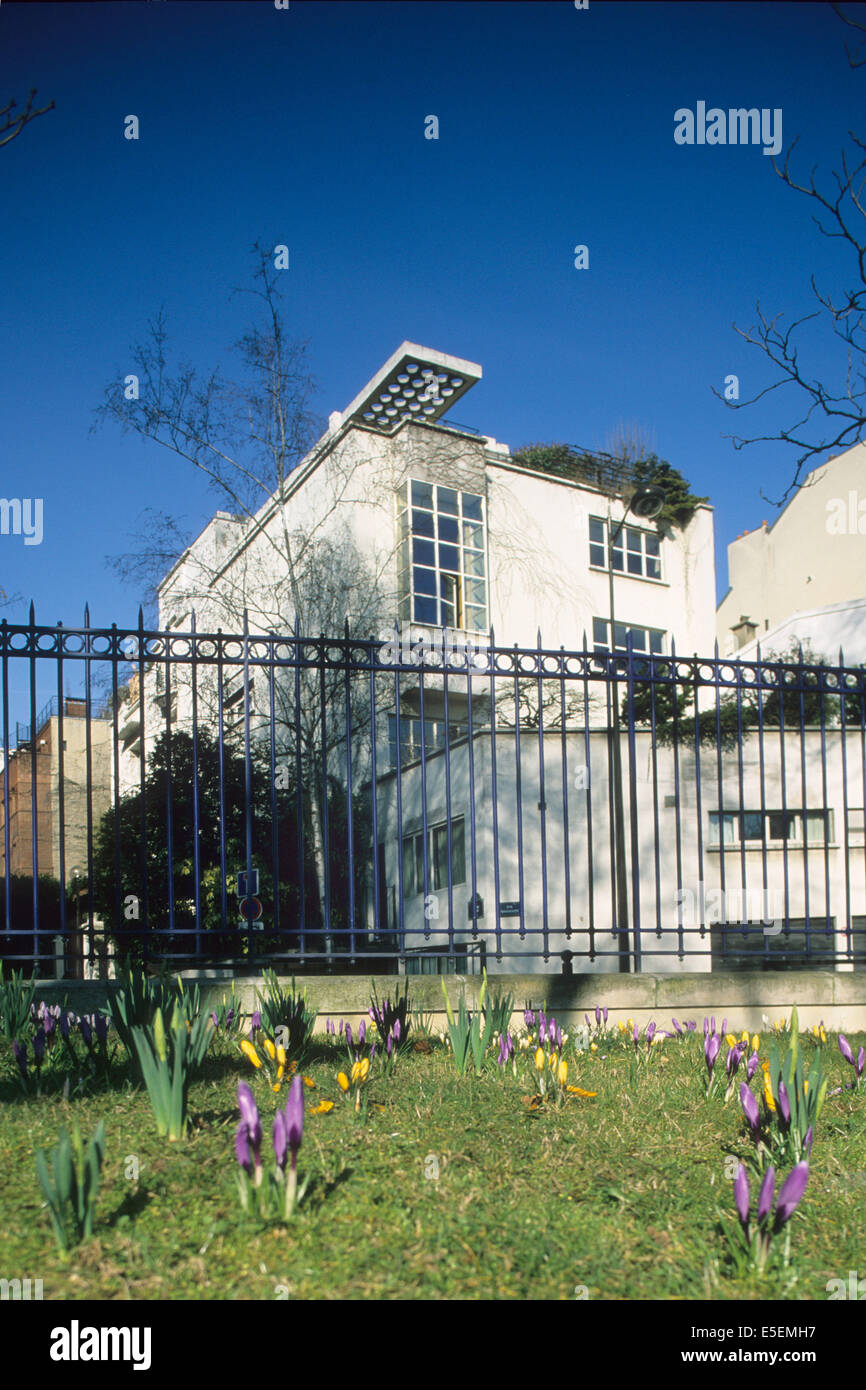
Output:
x,y
421,804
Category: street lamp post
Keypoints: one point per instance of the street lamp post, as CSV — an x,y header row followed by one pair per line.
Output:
x,y
647,503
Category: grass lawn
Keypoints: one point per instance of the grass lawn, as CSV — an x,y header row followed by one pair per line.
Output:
x,y
615,1197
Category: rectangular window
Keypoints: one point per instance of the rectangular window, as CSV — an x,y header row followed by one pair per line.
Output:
x,y
773,828
644,639
443,579
635,551
437,862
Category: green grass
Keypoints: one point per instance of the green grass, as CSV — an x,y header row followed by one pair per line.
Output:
x,y
619,1194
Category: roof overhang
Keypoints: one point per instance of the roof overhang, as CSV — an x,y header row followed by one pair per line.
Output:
x,y
416,383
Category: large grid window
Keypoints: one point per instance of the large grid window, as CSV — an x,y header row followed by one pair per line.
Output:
x,y
443,573
634,551
644,639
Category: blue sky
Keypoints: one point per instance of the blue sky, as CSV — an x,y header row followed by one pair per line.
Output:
x,y
306,127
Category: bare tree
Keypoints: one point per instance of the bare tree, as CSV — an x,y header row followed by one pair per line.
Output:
x,y
833,416
13,125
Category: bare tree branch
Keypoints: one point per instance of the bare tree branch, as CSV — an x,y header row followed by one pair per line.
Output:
x,y
14,125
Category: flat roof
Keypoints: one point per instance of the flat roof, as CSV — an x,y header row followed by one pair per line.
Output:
x,y
415,383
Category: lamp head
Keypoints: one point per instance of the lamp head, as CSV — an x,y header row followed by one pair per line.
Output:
x,y
647,502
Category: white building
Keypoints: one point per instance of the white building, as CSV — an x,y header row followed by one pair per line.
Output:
x,y
803,578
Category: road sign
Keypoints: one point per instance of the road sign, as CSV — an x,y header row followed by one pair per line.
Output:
x,y
509,909
250,909
248,883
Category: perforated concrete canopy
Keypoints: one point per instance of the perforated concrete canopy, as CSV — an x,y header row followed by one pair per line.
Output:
x,y
415,383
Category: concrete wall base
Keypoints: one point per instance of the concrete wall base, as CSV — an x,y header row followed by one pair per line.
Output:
x,y
838,998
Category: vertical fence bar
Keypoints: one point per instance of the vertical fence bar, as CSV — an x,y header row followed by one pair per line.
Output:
x,y
299,790
472,826
633,806
588,801
325,931
169,821
115,758
349,804
248,787
843,741
272,768
678,825
196,803
519,791
374,794
142,791
494,792
221,762
61,799
542,805
655,785
34,801
449,849
564,759
88,757
398,749
7,832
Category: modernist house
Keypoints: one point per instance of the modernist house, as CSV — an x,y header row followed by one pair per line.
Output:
x,y
492,808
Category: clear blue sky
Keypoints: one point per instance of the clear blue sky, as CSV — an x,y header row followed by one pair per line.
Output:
x,y
306,127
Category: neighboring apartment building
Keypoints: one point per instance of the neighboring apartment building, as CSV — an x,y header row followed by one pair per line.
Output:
x,y
803,578
59,792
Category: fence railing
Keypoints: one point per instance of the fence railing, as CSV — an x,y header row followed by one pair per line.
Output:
x,y
341,803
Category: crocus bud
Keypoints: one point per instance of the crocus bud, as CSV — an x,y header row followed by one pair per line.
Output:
x,y
397,1030
597,1016
86,1031
362,1032
845,1049
791,1193
784,1105
750,1108
20,1051
741,1194
768,1187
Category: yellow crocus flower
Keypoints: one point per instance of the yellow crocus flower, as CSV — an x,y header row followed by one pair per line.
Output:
x,y
768,1095
630,1024
744,1036
805,1087
281,1054
756,1042
730,1040
355,1072
576,1091
539,1059
342,1081
323,1108
308,1081
593,1047
270,1049
249,1051
365,1068
280,1071
562,1072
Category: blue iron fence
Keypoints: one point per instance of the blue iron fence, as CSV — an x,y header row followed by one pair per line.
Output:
x,y
416,804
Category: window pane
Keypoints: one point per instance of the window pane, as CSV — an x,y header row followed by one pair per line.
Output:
x,y
476,620
657,643
473,534
855,825
638,639
635,564
449,614
425,611
419,863
440,857
596,555
651,544
403,555
633,540
449,529
727,822
425,581
815,827
617,558
422,523
596,530
753,825
473,562
653,568
471,506
447,500
449,558
422,495
782,825
423,552
620,635
458,851
599,632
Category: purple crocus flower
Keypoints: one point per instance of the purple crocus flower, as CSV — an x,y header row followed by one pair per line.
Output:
x,y
676,1025
20,1050
712,1047
586,1018
650,1033
255,1024
807,1141
845,1049
604,1015
559,1037
791,1193
215,1019
529,1018
250,1114
362,1032
724,1027
242,1148
752,1066
389,1043
765,1200
294,1117
230,1018
39,1046
741,1194
86,1031
349,1034
341,1027
100,1023
784,1105
397,1030
281,1140
691,1026
49,1023
372,1052
597,1016
732,1061
542,1032
64,1026
706,1026
860,1063
750,1108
